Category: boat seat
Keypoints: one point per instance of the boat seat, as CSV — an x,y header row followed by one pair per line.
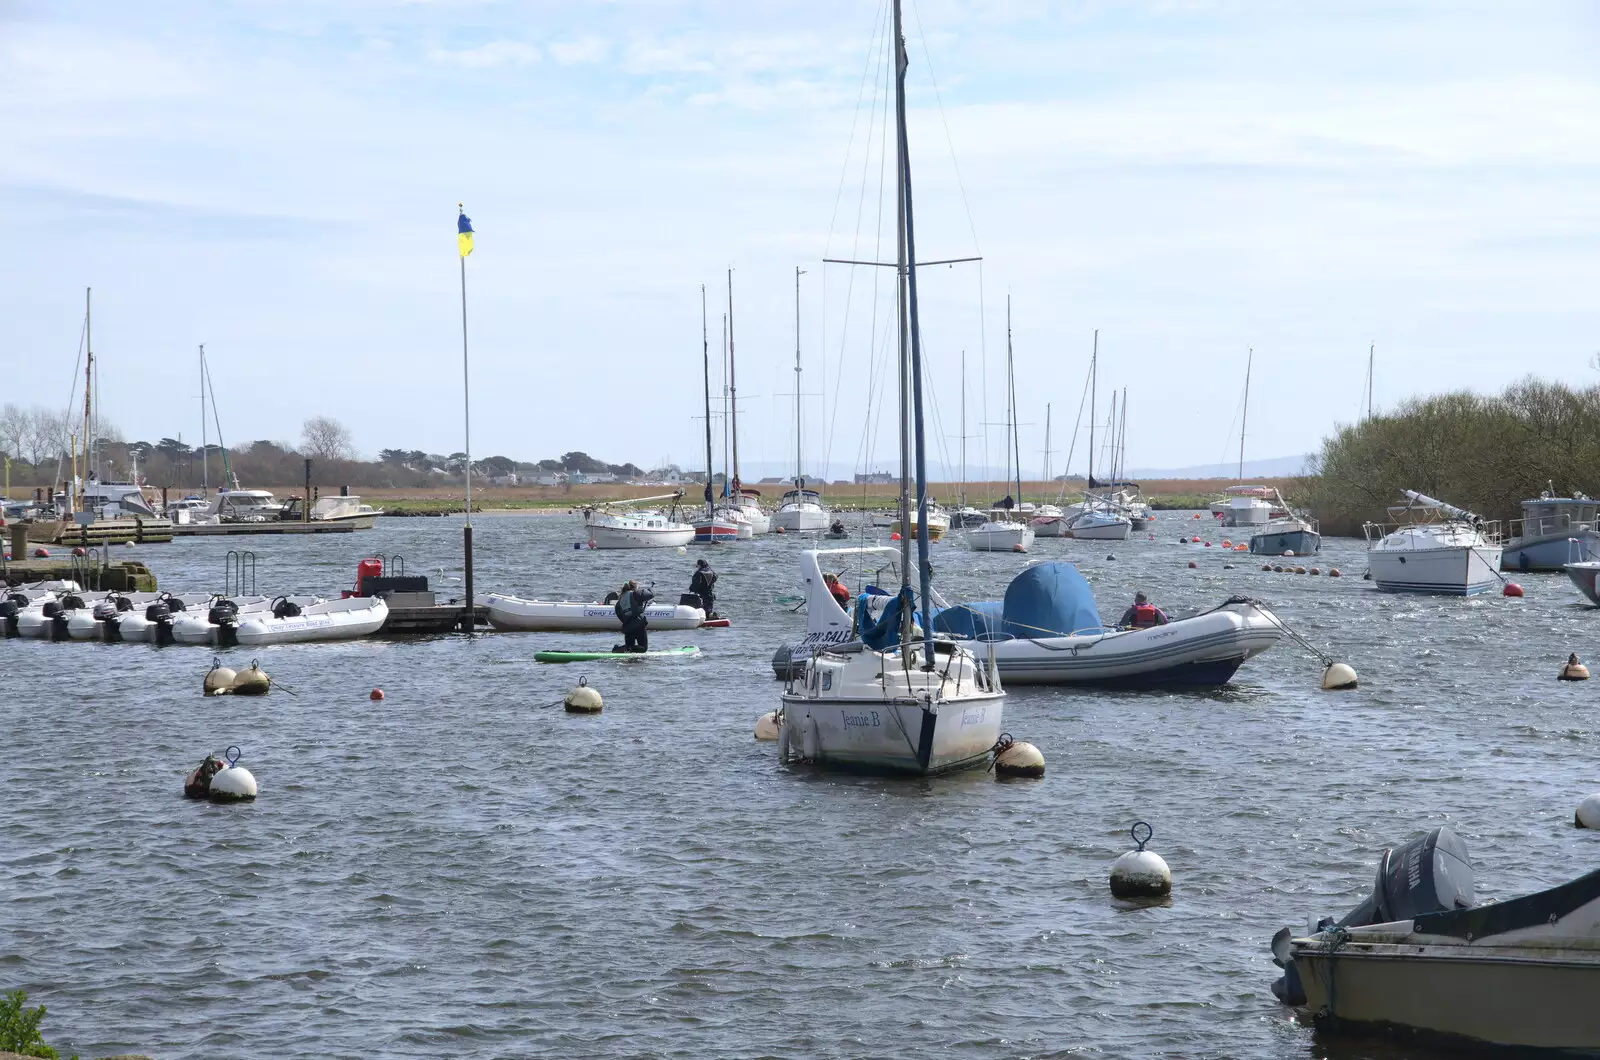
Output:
x,y
1531,910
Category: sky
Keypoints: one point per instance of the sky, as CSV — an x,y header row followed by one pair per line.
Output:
x,y
279,181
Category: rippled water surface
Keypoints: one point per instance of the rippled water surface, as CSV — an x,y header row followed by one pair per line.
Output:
x,y
464,870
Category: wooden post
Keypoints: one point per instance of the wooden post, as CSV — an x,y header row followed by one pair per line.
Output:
x,y
305,514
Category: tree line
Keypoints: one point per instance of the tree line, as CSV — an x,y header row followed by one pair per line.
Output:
x,y
1483,453
39,445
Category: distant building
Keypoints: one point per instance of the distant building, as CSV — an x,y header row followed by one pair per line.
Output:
x,y
503,480
876,478
548,478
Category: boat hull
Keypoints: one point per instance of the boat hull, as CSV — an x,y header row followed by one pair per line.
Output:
x,y
1049,526
1584,576
1551,553
800,520
1449,571
1301,542
627,537
351,619
1010,539
899,737
718,531
1503,995
936,528
1114,531
512,613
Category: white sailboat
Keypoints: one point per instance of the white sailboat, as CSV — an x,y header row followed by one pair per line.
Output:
x,y
1440,549
714,525
629,528
1096,519
741,504
902,703
1006,529
800,509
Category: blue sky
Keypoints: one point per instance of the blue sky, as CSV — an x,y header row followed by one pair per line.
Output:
x,y
278,180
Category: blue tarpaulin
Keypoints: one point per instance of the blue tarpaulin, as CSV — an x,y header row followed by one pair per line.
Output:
x,y
1049,600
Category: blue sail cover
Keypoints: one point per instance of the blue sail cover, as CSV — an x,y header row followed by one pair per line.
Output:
x,y
1049,600
978,621
884,633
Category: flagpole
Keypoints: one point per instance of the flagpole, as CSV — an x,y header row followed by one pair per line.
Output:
x,y
466,405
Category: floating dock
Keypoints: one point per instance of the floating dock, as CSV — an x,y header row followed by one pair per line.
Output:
x,y
121,577
246,529
101,532
406,621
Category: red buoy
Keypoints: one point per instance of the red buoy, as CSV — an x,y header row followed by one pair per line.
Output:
x,y
1512,589
1193,564
41,553
377,693
894,536
80,551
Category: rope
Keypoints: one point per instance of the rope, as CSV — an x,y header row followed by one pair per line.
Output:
x,y
1320,655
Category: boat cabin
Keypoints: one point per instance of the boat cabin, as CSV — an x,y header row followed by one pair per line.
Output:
x,y
1552,516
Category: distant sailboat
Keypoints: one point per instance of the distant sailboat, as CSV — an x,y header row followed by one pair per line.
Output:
x,y
801,508
1006,529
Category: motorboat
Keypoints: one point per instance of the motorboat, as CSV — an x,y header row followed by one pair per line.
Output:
x,y
1441,549
1099,522
837,531
1553,533
515,613
1047,630
938,522
188,510
1420,955
242,506
801,511
345,509
218,622
1248,506
630,528
152,624
1584,575
1048,520
348,619
112,500
1001,532
101,619
967,518
1294,536
46,616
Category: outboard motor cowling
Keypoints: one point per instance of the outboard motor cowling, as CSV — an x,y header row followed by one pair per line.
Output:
x,y
1430,874
157,611
56,611
9,609
104,610
124,604
691,600
283,607
159,614
224,614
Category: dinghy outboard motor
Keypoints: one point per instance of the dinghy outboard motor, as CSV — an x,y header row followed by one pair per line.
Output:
x,y
224,614
1430,874
691,600
159,615
283,607
56,612
10,607
105,616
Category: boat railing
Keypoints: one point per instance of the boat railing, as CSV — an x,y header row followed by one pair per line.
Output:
x,y
1488,529
1553,525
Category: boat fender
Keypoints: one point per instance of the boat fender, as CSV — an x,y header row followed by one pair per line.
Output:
x,y
252,682
233,784
1141,873
1227,566
1017,758
1338,677
219,679
1588,814
197,785
809,743
1299,570
767,726
1315,570
1574,670
1288,552
785,749
583,699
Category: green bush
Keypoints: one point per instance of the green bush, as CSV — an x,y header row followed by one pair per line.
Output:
x,y
19,1027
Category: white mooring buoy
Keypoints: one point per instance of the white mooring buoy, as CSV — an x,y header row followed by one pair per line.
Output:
x,y
1141,873
219,679
1017,758
1588,815
584,699
233,783
1574,670
1338,677
767,726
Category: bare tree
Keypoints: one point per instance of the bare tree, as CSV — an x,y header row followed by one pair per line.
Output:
x,y
16,425
327,439
50,435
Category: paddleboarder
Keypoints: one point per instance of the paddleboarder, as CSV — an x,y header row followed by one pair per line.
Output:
x,y
703,585
630,612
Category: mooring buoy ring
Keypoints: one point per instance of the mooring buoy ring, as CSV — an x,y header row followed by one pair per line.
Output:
x,y
1149,833
233,754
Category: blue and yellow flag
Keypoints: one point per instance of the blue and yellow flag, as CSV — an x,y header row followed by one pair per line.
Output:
x,y
464,232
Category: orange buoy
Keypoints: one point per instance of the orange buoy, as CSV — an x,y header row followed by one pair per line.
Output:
x,y
1226,543
1334,573
1512,589
894,536
1197,515
377,693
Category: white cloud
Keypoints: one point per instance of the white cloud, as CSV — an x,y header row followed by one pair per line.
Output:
x,y
487,56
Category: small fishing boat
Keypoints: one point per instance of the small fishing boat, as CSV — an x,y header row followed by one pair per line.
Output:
x,y
837,531
1553,533
938,522
680,652
1420,955
1288,533
1001,532
1584,575
628,528
514,613
1440,549
286,623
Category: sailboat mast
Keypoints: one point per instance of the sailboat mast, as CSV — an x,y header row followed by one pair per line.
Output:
x,y
705,357
1122,439
963,428
1244,414
733,394
798,482
1012,449
88,377
1371,353
205,470
1094,384
1047,443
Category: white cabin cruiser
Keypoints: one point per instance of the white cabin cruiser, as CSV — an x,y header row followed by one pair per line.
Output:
x,y
801,511
748,503
345,509
112,500
628,528
1442,549
242,506
514,613
1420,955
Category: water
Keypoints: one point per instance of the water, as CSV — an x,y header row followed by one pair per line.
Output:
x,y
464,870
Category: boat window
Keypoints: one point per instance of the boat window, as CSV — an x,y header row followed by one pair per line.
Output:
x,y
827,680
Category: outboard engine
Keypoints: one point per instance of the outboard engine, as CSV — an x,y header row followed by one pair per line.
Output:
x,y
159,615
106,613
691,600
283,607
1430,874
224,614
10,607
56,612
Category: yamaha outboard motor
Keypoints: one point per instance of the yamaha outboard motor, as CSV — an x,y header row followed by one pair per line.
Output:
x,y
224,614
10,607
56,612
159,615
1430,874
106,613
691,600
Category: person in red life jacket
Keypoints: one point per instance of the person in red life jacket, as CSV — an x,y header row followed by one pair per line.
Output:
x,y
841,595
1143,614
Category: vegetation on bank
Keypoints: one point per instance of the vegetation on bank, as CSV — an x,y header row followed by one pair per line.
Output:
x,y
19,1027
1486,454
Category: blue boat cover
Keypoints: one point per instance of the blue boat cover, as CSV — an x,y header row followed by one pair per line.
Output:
x,y
978,621
880,635
1049,600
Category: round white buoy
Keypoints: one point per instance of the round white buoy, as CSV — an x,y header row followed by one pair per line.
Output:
x,y
1141,873
1574,670
219,679
767,726
1288,552
234,783
1338,677
1018,758
584,699
683,550
252,682
1588,815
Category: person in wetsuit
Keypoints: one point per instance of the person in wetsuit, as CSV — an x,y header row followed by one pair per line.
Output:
x,y
630,607
704,585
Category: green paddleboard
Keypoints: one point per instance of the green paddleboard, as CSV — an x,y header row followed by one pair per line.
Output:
x,y
596,656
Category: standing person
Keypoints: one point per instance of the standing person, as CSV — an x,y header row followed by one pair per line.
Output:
x,y
1143,614
704,585
630,609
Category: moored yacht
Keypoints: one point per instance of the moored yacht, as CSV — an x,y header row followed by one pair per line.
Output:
x,y
1553,532
801,511
1098,521
1001,532
1439,549
630,528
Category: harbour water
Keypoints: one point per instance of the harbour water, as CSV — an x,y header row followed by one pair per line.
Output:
x,y
465,870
